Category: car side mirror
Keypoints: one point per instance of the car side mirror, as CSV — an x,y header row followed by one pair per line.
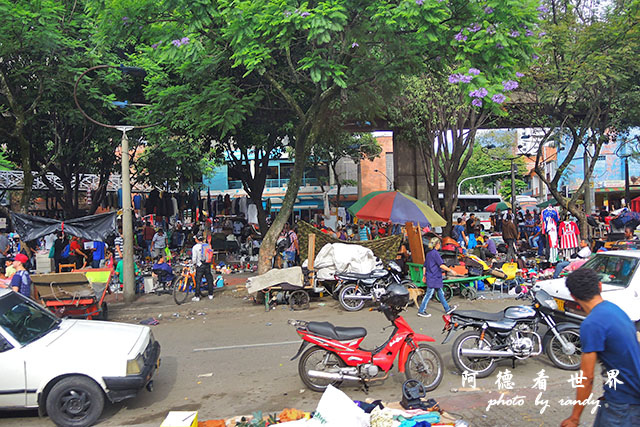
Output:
x,y
4,344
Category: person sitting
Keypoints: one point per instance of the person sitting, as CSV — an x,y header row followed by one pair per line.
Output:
x,y
582,254
488,250
629,234
120,272
162,269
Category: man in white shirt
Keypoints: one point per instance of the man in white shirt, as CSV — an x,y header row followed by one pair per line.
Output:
x,y
158,243
583,253
202,267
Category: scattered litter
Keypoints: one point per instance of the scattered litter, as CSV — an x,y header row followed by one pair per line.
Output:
x,y
149,321
159,316
268,323
454,390
208,374
321,304
176,314
199,382
302,390
202,314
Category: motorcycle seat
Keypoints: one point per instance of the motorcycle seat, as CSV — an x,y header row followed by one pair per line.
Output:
x,y
481,315
327,330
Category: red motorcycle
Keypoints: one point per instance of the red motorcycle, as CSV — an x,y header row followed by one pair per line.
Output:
x,y
335,355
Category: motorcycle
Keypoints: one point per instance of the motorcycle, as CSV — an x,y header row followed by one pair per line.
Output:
x,y
354,289
512,334
335,354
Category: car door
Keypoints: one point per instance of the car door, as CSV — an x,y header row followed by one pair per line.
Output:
x,y
13,391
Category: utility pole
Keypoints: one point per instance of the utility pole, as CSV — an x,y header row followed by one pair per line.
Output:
x,y
587,190
127,220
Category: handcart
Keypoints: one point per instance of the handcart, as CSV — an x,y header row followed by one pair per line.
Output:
x,y
291,286
467,286
77,294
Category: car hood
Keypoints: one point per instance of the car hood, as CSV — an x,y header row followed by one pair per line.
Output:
x,y
95,337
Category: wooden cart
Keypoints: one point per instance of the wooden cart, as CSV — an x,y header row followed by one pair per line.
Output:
x,y
77,294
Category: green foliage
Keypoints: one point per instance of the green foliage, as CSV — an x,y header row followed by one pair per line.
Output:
x,y
486,160
505,188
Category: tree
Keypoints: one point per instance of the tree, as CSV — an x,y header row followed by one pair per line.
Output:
x,y
441,110
46,45
490,150
313,55
585,86
337,144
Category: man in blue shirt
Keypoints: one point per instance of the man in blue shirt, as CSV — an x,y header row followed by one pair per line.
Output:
x,y
606,335
98,253
432,271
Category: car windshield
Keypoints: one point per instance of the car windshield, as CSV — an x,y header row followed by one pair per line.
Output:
x,y
24,320
613,269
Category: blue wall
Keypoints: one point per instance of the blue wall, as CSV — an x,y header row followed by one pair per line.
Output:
x,y
609,167
217,180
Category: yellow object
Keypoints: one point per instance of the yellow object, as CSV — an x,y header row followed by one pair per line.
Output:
x,y
292,415
510,269
181,419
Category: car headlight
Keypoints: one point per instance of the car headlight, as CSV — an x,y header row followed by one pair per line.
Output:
x,y
134,366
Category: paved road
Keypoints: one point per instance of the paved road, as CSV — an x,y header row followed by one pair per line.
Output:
x,y
247,350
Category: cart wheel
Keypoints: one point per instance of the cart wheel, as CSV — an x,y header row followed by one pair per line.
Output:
x,y
104,312
448,293
299,300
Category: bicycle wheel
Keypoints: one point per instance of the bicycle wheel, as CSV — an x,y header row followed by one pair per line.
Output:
x,y
181,290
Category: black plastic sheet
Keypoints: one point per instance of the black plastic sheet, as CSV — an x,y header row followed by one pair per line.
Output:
x,y
93,227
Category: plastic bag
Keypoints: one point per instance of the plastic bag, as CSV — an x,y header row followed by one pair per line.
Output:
x,y
335,409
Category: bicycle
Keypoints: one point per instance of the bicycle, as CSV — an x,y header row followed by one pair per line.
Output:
x,y
185,285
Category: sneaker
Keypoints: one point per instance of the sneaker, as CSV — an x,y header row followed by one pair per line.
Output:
x,y
210,296
423,314
195,299
452,309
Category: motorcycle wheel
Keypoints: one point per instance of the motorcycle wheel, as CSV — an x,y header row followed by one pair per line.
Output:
x,y
482,366
555,352
351,304
318,359
431,374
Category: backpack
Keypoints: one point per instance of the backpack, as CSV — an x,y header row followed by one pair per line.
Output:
x,y
207,253
285,243
454,234
65,252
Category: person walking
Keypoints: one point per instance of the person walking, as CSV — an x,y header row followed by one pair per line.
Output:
x,y
607,335
147,235
158,243
471,232
76,253
291,251
510,235
432,276
203,268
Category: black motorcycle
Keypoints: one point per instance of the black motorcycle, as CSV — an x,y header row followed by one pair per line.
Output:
x,y
354,289
512,334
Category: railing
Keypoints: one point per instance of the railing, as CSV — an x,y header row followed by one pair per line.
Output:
x,y
275,183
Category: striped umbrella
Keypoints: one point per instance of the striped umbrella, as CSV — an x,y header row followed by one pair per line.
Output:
x,y
500,206
397,208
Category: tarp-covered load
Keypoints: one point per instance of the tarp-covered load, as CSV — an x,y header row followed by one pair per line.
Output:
x,y
386,248
93,227
342,258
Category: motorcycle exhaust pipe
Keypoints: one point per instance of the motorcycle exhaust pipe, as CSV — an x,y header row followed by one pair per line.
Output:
x,y
332,376
486,353
359,297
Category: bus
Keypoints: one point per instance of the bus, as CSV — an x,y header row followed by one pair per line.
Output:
x,y
476,203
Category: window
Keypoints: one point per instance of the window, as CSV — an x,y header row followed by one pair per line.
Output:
x,y
613,270
24,320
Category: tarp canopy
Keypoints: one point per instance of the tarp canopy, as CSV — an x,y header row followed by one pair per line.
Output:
x,y
93,227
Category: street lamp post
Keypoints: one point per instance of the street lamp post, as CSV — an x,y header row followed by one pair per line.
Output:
x,y
393,187
128,278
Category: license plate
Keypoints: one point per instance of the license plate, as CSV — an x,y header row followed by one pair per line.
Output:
x,y
560,303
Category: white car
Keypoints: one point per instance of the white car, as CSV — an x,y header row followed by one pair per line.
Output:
x,y
66,368
620,278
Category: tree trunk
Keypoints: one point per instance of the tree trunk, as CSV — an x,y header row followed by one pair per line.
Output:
x,y
267,248
25,160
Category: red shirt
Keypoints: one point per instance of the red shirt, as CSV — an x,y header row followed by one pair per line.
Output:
x,y
74,246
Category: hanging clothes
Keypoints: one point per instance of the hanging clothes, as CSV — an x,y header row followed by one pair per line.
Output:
x,y
227,204
252,214
550,219
569,235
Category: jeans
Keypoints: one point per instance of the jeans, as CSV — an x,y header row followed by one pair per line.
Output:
x,y
289,259
204,270
511,249
427,297
559,266
95,263
617,415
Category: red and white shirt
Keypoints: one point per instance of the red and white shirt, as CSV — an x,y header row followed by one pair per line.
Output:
x,y
569,235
